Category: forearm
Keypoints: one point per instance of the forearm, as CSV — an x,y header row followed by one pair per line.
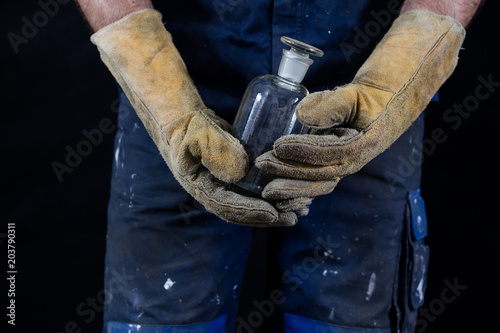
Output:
x,y
461,10
100,13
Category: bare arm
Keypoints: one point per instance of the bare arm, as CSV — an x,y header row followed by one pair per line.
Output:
x,y
100,13
460,10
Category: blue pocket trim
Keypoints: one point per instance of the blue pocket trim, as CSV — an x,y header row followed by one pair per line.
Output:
x,y
214,326
418,215
298,324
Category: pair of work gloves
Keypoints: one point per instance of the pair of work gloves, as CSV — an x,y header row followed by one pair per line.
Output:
x,y
351,124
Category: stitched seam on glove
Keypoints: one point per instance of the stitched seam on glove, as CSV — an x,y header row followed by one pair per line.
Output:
x,y
286,165
305,188
239,207
407,84
131,90
235,142
372,85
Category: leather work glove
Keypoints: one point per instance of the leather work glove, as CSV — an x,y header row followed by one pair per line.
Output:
x,y
196,144
354,123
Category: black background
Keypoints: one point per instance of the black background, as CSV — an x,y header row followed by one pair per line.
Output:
x,y
55,87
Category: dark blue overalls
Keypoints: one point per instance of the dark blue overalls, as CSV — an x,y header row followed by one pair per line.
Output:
x,y
356,263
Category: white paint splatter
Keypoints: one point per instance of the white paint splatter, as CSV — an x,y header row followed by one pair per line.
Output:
x,y
329,253
420,287
234,291
330,271
371,286
331,316
216,300
131,191
119,152
168,284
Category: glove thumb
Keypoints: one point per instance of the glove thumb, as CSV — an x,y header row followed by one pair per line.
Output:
x,y
355,104
327,108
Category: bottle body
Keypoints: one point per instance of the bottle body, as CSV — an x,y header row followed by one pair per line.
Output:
x,y
267,112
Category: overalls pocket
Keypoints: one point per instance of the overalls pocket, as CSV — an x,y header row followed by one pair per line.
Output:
x,y
414,264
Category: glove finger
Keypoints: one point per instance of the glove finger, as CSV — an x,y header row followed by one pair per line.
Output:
x,y
270,163
283,188
327,108
354,105
201,141
300,206
321,148
221,153
286,219
303,211
234,207
344,150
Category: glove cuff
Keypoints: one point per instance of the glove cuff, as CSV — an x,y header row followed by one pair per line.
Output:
x,y
415,57
126,18
139,52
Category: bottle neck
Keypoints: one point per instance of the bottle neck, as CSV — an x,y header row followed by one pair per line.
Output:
x,y
294,65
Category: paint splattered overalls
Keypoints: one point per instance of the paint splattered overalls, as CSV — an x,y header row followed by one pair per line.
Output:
x,y
356,263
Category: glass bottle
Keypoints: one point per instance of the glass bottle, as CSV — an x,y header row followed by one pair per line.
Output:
x,y
267,110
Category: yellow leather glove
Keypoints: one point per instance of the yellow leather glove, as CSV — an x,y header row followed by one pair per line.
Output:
x,y
354,123
196,144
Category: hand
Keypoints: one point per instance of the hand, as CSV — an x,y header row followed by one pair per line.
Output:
x,y
354,123
195,143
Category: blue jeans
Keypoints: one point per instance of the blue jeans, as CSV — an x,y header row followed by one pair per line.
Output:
x,y
356,263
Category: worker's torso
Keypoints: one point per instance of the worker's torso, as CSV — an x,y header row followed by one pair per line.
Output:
x,y
226,43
